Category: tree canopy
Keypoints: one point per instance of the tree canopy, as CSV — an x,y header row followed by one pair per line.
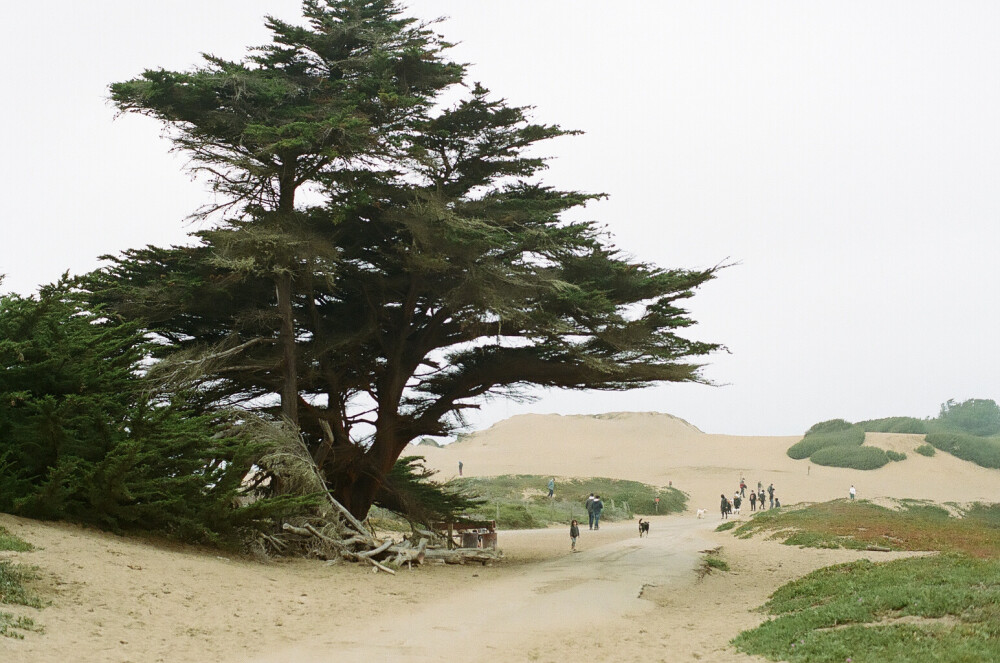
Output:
x,y
431,268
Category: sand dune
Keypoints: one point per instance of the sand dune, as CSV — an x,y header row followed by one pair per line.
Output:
x,y
659,449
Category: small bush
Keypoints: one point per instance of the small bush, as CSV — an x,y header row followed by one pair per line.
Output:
x,y
713,562
726,525
854,457
516,516
813,442
10,542
895,455
925,450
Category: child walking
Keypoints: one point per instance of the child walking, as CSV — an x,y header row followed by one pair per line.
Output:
x,y
574,534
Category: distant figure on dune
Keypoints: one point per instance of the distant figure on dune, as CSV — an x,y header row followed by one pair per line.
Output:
x,y
590,510
770,494
743,487
760,499
777,502
852,492
753,501
724,506
459,468
737,502
552,486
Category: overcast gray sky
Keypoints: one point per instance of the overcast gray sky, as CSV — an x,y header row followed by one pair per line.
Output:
x,y
846,154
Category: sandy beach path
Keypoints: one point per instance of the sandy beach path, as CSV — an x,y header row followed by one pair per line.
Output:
x,y
537,611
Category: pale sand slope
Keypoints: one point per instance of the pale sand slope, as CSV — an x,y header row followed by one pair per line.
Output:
x,y
117,599
658,448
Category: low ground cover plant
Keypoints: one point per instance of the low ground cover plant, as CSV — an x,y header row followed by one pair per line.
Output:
x,y
521,501
938,608
13,589
943,607
914,526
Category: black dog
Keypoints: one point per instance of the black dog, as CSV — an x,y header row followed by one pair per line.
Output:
x,y
643,528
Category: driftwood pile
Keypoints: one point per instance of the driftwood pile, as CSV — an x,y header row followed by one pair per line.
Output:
x,y
345,538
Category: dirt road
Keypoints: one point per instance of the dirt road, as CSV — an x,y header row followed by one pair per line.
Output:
x,y
537,612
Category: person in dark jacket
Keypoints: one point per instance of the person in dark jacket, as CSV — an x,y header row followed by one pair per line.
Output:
x,y
597,505
590,510
724,506
574,534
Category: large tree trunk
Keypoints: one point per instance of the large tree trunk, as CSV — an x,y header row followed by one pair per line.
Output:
x,y
286,339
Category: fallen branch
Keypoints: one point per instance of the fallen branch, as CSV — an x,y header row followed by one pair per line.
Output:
x,y
382,548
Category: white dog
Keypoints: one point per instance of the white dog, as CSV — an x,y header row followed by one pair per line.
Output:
x,y
701,513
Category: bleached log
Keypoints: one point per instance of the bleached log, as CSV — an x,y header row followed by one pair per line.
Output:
x,y
299,531
382,548
462,555
381,567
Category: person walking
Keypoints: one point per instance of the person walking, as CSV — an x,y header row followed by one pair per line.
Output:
x,y
598,507
552,486
459,468
852,492
590,510
743,487
760,499
574,534
753,501
770,494
724,506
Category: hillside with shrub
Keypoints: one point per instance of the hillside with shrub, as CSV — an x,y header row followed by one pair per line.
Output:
x,y
969,430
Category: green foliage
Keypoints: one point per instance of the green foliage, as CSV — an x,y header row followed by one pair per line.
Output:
x,y
813,442
12,590
84,438
715,562
984,451
10,542
728,525
913,526
431,271
865,612
520,501
910,425
831,426
410,492
969,430
975,416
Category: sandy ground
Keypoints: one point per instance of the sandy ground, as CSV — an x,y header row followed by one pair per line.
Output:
x,y
115,599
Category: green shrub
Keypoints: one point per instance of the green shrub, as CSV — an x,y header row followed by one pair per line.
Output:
x,y
831,426
976,416
895,455
984,451
910,425
925,450
811,443
726,525
516,516
854,457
